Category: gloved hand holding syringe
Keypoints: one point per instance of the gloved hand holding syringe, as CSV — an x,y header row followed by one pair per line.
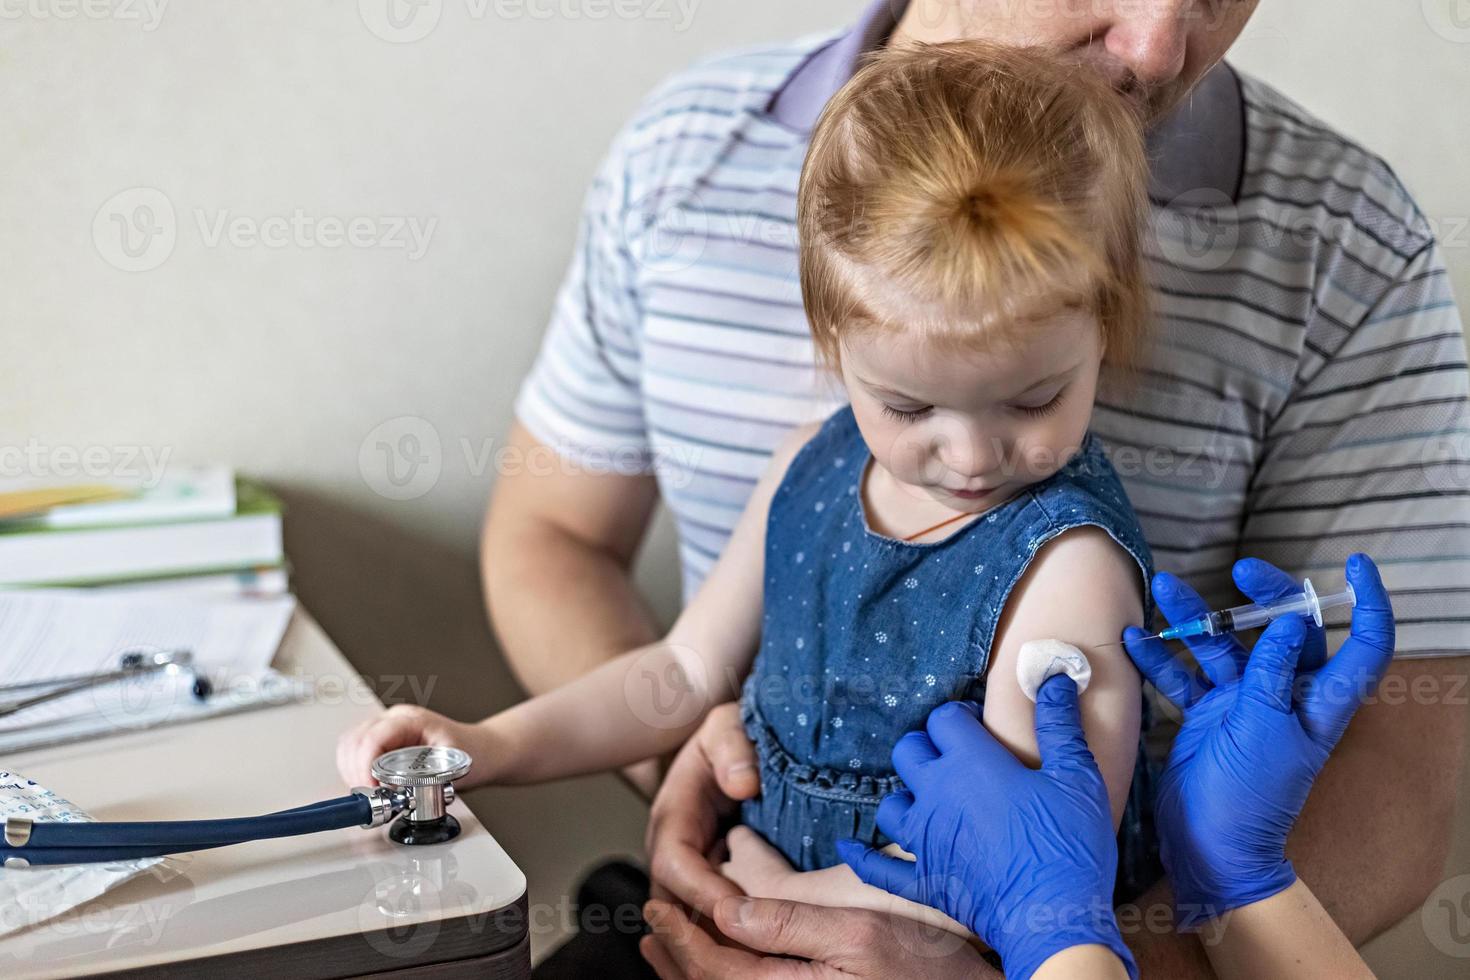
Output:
x,y
1305,603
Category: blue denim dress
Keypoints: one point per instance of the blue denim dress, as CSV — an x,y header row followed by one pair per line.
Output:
x,y
864,635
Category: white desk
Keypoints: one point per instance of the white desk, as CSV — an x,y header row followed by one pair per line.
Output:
x,y
344,903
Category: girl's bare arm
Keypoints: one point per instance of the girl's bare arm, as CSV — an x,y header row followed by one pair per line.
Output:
x,y
648,701
1081,588
640,704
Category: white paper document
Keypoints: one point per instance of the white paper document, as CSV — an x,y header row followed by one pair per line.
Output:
x,y
46,634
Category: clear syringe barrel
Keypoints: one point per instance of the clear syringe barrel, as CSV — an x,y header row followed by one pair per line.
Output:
x,y
1308,603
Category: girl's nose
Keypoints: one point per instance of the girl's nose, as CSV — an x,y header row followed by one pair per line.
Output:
x,y
967,451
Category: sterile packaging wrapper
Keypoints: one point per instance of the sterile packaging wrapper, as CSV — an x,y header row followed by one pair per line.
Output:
x,y
32,895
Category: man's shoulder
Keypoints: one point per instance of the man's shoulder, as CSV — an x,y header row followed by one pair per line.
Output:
x,y
724,85
1300,166
686,126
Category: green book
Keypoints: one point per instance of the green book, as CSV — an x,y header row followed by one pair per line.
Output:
x,y
32,555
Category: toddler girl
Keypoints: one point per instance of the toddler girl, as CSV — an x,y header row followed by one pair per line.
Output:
x,y
969,218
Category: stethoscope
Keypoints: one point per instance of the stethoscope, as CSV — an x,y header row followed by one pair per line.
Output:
x,y
416,782
130,665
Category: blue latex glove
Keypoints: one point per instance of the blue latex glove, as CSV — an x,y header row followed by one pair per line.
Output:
x,y
1025,858
1255,734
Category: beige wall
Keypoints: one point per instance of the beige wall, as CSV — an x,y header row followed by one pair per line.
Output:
x,y
284,360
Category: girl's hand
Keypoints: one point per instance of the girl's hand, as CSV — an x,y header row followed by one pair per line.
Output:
x,y
761,871
405,725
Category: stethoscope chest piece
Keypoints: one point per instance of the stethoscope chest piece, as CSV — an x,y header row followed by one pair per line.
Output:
x,y
423,777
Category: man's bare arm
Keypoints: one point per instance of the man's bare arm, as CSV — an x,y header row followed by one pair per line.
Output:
x,y
556,557
1372,840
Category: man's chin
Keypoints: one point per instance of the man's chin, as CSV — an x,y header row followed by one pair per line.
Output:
x,y
1157,106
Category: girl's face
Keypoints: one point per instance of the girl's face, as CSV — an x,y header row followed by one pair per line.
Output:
x,y
970,429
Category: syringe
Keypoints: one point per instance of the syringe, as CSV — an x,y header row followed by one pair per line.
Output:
x,y
1307,603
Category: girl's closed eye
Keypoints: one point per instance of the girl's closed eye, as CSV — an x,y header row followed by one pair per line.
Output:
x,y
1044,409
900,415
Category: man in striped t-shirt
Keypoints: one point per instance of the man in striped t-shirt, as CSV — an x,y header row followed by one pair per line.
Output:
x,y
1305,396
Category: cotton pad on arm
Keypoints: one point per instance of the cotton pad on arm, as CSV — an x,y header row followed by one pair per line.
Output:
x,y
1040,659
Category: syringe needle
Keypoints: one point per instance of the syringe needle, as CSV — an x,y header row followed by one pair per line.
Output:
x,y
1119,643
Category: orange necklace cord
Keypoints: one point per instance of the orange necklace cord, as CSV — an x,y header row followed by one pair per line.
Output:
x,y
944,523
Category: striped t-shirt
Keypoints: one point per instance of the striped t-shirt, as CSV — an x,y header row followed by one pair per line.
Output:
x,y
1305,395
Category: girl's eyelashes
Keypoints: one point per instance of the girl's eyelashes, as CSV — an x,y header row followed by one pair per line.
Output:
x,y
899,416
913,415
1040,411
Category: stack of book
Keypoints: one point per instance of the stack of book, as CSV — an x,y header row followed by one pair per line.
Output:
x,y
197,529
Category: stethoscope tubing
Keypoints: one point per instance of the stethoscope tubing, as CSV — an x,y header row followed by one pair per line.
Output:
x,y
98,855
124,840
